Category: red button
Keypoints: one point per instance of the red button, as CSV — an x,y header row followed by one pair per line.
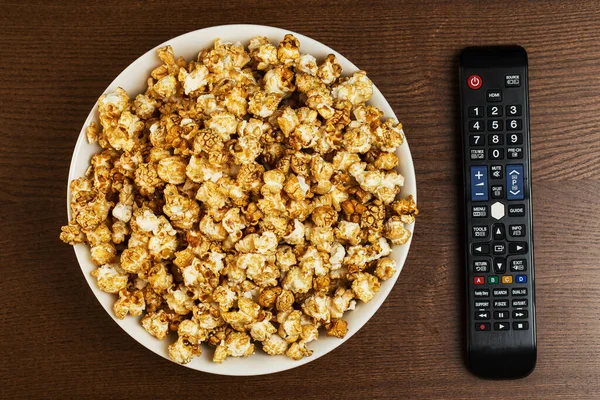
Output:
x,y
474,82
478,280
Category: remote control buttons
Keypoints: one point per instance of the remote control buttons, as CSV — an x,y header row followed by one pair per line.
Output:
x,y
480,231
498,210
512,80
478,280
481,292
514,182
494,111
498,232
494,95
516,230
518,292
514,124
522,314
480,249
520,326
481,266
514,110
476,112
476,126
499,265
501,314
500,303
519,265
474,82
497,171
517,247
479,211
483,327
479,183
497,191
476,140
501,326
482,315
519,303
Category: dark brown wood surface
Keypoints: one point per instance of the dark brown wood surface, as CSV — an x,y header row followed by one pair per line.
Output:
x,y
56,58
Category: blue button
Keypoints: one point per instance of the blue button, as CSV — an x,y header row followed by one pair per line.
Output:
x,y
479,183
514,182
521,279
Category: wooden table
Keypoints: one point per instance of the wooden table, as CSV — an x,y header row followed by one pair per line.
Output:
x,y
57,57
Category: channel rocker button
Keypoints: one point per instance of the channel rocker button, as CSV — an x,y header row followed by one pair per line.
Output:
x,y
514,182
474,82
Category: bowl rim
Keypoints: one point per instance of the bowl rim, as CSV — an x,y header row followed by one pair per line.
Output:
x,y
280,363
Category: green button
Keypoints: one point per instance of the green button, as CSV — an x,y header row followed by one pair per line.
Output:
x,y
493,279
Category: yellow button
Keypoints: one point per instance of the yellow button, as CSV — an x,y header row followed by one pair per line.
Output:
x,y
507,279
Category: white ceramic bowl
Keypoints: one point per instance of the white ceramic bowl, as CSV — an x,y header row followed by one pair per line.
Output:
x,y
133,80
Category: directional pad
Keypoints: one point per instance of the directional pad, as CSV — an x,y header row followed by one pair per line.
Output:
x,y
498,210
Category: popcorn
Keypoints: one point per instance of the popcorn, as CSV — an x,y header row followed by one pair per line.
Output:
x,y
242,198
110,278
365,286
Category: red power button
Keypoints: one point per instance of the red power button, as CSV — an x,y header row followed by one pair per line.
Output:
x,y
474,82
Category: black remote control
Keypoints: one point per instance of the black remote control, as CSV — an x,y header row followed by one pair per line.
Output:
x,y
501,332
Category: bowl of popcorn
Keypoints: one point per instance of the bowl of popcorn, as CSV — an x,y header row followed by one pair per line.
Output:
x,y
241,199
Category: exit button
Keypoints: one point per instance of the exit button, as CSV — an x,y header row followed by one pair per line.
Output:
x,y
513,80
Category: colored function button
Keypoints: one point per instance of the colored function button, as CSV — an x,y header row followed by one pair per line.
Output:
x,y
478,280
519,265
484,326
481,266
479,211
474,82
481,293
476,112
514,182
501,326
516,210
520,314
517,247
479,183
512,80
521,279
499,265
480,231
493,280
494,95
507,279
520,326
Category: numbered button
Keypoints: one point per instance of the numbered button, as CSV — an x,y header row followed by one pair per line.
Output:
x,y
476,140
494,125
476,126
514,110
476,112
515,138
494,111
497,139
496,154
514,124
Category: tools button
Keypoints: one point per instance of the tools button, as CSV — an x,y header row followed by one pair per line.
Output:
x,y
480,231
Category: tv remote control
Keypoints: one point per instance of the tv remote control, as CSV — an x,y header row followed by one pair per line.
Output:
x,y
501,331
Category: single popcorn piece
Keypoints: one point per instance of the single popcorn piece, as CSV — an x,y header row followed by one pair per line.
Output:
x,y
129,303
111,278
247,196
386,268
365,286
156,324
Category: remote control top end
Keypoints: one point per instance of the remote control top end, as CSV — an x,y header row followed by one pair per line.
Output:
x,y
501,329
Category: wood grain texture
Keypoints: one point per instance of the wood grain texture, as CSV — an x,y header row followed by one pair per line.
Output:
x,y
58,57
